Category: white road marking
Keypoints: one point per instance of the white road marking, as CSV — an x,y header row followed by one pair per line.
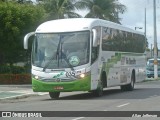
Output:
x,y
21,91
105,110
123,105
153,96
27,92
78,118
42,93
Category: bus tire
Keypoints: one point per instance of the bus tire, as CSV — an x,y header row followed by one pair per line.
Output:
x,y
130,86
54,95
99,91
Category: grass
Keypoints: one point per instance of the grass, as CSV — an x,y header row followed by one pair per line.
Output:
x,y
151,79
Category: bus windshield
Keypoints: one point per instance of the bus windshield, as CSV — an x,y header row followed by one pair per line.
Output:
x,y
61,50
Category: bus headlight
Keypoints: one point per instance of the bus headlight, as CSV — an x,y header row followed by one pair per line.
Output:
x,y
36,77
82,75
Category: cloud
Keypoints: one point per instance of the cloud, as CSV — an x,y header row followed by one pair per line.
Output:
x,y
135,17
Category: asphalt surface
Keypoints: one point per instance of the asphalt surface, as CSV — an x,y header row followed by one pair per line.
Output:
x,y
145,97
20,91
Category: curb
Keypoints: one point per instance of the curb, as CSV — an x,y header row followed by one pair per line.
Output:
x,y
21,86
18,97
148,80
22,96
21,91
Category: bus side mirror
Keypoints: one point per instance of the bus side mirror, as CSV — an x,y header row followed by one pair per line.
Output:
x,y
26,39
94,38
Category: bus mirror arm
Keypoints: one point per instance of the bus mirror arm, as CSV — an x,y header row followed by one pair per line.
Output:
x,y
94,38
26,39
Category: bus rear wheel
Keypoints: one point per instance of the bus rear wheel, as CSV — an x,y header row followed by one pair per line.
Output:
x,y
130,86
54,95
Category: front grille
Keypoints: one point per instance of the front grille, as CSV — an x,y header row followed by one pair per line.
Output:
x,y
58,80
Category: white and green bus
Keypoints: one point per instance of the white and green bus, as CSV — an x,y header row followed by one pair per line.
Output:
x,y
84,54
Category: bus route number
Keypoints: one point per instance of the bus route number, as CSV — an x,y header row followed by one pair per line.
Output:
x,y
71,73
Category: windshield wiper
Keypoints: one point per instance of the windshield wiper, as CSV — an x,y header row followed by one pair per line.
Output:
x,y
48,63
58,56
57,52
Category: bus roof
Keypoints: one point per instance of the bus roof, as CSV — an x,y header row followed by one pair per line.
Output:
x,y
78,24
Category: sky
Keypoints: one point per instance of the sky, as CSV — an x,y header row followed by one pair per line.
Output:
x,y
135,17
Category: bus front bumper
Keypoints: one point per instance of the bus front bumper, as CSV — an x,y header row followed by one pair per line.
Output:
x,y
77,85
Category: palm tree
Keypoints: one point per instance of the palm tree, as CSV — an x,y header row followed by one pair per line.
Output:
x,y
19,1
59,9
103,9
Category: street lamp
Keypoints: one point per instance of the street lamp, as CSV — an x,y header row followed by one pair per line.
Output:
x,y
138,28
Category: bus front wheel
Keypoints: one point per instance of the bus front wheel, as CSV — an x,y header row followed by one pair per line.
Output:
x,y
54,95
99,91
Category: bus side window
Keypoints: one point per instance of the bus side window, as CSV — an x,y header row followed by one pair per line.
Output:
x,y
95,50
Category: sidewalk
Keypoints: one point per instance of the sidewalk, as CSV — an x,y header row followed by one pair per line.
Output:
x,y
17,91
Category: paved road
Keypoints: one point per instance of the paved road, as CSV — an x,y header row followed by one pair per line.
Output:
x,y
145,97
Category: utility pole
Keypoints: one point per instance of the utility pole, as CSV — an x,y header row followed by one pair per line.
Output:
x,y
145,27
155,41
151,50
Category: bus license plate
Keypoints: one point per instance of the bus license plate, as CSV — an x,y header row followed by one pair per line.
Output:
x,y
58,88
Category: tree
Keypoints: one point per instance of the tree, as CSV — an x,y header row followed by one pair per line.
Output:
x,y
59,9
18,1
24,1
15,21
103,9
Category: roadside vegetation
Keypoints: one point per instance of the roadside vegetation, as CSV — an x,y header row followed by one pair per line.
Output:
x,y
18,17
